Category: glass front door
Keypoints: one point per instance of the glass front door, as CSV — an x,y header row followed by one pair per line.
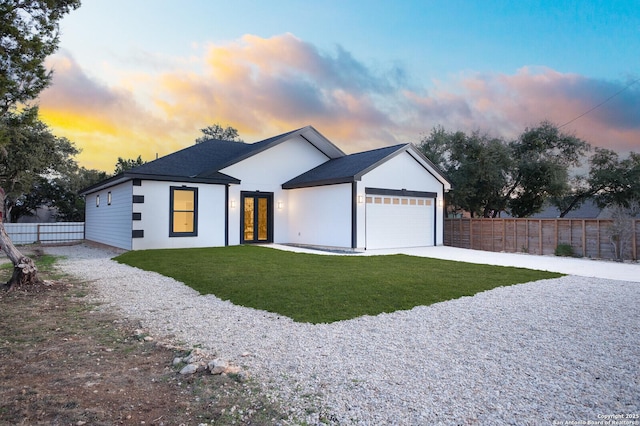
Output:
x,y
257,222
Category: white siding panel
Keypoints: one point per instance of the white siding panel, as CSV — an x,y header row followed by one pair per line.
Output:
x,y
266,172
110,224
271,168
321,215
402,171
155,213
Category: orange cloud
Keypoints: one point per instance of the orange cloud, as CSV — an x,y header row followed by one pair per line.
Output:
x,y
264,86
105,122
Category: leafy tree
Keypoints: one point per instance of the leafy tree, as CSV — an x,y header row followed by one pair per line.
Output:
x,y
577,194
30,151
543,157
614,181
475,164
29,32
490,175
59,192
611,181
123,165
217,132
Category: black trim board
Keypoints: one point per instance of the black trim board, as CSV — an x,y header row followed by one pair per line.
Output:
x,y
400,192
435,222
324,182
226,216
354,215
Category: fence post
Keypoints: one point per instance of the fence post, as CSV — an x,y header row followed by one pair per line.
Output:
x,y
539,236
634,245
584,238
598,236
493,236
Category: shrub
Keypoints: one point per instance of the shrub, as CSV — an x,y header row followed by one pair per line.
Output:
x,y
564,250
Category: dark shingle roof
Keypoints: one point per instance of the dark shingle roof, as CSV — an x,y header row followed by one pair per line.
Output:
x,y
344,169
201,163
196,163
201,160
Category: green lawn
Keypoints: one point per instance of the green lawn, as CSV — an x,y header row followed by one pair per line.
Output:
x,y
322,289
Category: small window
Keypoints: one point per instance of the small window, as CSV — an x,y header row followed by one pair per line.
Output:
x,y
387,200
421,202
184,212
109,198
412,201
378,200
98,200
396,201
428,202
369,200
405,201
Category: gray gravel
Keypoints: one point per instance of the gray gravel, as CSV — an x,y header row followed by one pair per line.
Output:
x,y
560,350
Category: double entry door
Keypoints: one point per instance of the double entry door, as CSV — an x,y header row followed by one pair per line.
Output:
x,y
257,217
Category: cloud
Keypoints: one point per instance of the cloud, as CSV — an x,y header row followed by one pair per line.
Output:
x,y
264,86
105,122
504,104
277,84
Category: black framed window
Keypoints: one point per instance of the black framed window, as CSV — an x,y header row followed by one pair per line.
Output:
x,y
184,212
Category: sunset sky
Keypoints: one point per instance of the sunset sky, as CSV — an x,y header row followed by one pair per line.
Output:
x,y
142,77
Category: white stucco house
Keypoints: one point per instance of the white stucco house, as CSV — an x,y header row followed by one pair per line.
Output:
x,y
295,188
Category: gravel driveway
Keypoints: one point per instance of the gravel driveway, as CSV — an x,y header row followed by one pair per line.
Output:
x,y
559,350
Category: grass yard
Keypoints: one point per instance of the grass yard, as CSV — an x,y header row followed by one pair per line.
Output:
x,y
323,289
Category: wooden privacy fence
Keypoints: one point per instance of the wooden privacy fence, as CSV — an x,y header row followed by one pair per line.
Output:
x,y
588,237
46,233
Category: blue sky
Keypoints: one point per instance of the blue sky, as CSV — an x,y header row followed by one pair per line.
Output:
x,y
142,77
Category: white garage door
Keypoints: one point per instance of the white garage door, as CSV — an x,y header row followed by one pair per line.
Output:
x,y
396,221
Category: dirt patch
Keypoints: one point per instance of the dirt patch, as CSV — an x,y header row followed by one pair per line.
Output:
x,y
62,362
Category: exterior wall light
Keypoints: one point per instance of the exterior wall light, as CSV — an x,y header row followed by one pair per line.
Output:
x,y
360,199
280,205
233,204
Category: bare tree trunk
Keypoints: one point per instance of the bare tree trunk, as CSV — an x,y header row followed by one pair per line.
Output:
x,y
24,269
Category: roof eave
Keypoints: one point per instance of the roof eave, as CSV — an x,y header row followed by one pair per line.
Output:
x,y
127,176
320,182
308,133
112,181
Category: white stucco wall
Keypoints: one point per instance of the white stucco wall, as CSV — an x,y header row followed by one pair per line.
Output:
x,y
156,210
321,215
402,172
110,224
266,172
